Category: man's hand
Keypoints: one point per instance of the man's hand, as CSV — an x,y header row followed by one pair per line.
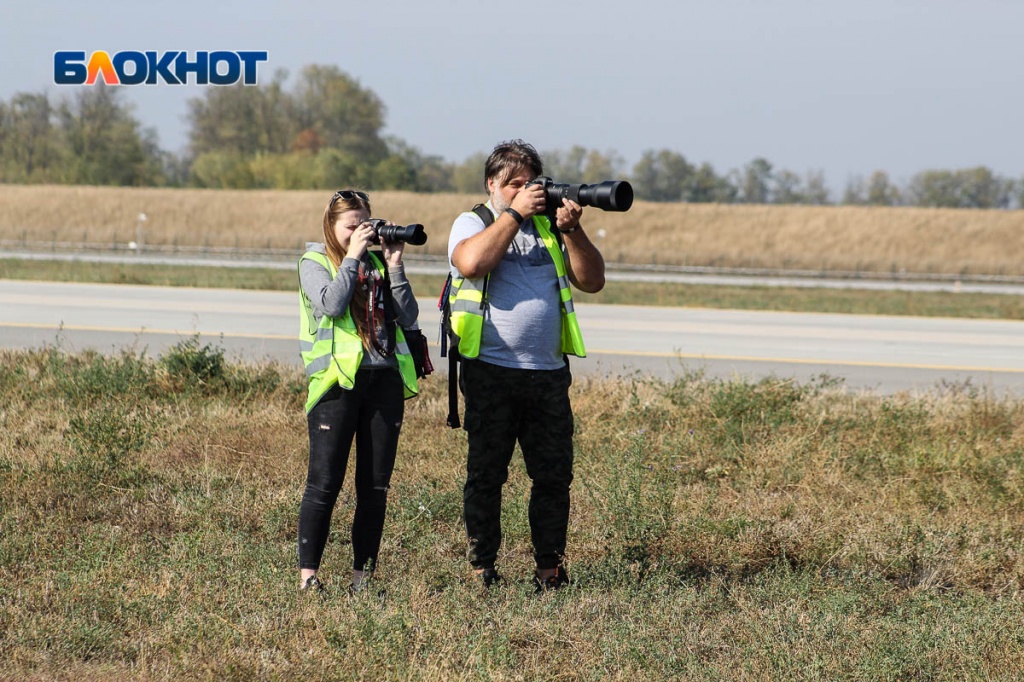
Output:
x,y
529,201
567,217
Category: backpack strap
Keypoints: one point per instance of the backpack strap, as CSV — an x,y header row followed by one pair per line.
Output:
x,y
484,214
448,345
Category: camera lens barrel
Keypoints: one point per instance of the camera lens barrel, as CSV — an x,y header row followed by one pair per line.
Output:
x,y
411,234
610,195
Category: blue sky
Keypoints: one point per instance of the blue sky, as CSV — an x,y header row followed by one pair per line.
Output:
x,y
846,88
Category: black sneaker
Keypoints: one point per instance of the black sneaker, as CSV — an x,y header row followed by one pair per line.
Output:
x,y
313,585
555,582
490,577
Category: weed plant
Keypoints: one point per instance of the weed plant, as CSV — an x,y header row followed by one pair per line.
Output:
x,y
720,530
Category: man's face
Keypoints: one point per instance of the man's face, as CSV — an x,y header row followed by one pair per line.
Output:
x,y
504,191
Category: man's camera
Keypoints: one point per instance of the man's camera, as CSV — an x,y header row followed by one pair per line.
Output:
x,y
412,234
610,195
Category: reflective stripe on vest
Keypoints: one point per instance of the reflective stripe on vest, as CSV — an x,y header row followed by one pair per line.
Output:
x,y
468,304
332,351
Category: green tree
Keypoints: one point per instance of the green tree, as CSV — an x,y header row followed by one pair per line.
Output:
x,y
468,176
30,144
661,175
337,169
295,170
343,114
222,170
854,194
705,186
429,173
565,165
788,188
966,188
242,119
105,141
598,167
981,188
816,189
756,182
880,191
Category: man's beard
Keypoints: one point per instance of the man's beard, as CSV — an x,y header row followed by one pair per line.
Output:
x,y
498,203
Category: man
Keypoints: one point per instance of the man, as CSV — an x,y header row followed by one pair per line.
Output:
x,y
512,312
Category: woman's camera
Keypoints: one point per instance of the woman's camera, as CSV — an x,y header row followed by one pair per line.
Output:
x,y
411,234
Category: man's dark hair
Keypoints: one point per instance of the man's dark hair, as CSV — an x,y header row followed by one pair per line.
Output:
x,y
511,157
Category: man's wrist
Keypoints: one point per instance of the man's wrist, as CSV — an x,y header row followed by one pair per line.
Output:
x,y
570,231
516,215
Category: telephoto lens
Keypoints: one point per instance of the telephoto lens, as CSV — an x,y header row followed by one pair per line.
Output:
x,y
411,234
610,195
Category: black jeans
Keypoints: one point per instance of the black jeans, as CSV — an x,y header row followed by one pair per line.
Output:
x,y
372,414
532,407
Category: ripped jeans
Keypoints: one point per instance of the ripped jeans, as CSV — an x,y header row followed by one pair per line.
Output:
x,y
371,413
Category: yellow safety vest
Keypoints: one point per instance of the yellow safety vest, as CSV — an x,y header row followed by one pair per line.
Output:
x,y
332,350
467,302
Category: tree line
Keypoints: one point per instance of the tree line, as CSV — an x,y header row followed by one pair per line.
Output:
x,y
325,131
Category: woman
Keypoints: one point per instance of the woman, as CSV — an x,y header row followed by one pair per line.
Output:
x,y
360,373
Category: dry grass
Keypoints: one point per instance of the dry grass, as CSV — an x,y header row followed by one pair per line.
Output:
x,y
720,530
799,237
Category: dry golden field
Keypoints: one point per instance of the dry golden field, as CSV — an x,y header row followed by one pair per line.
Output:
x,y
865,239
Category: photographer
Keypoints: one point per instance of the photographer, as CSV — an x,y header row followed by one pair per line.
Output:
x,y
353,308
511,275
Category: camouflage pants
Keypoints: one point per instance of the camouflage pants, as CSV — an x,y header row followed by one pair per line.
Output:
x,y
532,407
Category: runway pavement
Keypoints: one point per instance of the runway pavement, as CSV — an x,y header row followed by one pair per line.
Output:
x,y
885,354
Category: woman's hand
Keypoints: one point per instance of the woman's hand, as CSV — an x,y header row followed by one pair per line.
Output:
x,y
392,250
360,240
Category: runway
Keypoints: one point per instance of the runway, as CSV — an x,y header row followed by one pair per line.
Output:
x,y
884,354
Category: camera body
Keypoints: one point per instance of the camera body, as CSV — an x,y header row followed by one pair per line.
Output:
x,y
610,195
411,234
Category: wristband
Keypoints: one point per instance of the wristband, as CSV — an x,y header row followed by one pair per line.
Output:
x,y
570,231
516,215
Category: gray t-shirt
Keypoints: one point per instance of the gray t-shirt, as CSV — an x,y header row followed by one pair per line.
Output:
x,y
522,321
332,296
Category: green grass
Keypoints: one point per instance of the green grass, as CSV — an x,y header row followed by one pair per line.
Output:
x,y
720,530
966,305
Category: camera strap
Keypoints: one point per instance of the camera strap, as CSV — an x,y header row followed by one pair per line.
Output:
x,y
380,315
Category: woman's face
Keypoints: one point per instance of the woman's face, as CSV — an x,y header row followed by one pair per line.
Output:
x,y
347,223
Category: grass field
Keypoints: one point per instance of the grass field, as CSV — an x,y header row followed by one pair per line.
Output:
x,y
720,530
798,237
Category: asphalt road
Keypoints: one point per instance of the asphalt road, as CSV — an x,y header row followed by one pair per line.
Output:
x,y
885,354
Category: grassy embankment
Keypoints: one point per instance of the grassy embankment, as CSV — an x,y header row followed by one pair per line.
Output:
x,y
796,237
720,530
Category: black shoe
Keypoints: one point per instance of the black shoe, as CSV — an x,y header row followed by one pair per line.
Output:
x,y
555,582
490,577
313,585
356,592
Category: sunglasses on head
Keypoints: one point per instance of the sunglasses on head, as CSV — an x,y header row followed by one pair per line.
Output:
x,y
349,194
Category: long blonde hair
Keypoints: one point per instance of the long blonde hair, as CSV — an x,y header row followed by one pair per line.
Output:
x,y
336,252
331,216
